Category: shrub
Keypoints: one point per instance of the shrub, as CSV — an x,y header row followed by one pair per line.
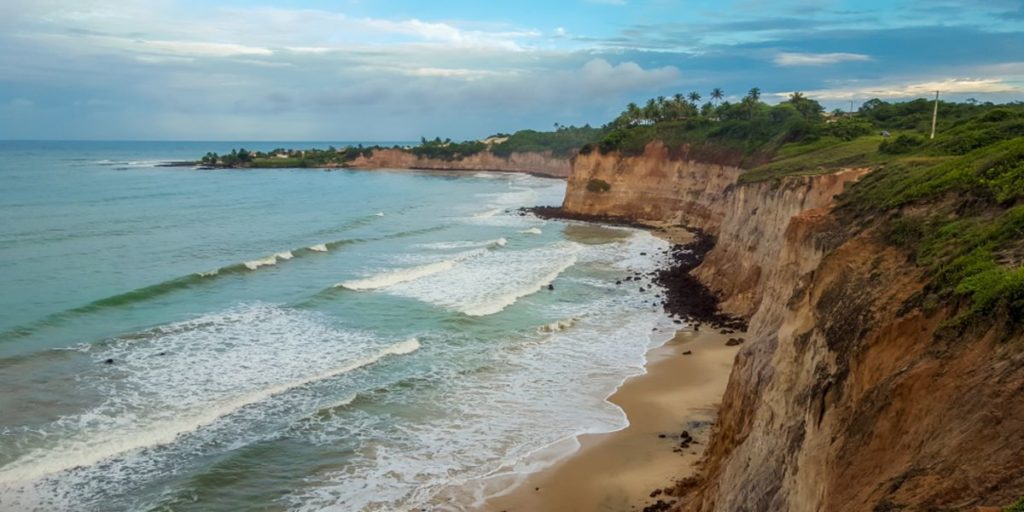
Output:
x,y
1018,506
849,128
598,186
905,231
900,145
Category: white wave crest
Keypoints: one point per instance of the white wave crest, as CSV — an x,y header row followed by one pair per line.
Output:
x,y
497,242
109,443
488,214
532,231
502,301
318,248
284,256
394,277
264,262
558,326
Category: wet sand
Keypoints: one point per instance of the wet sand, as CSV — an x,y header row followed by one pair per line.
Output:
x,y
618,471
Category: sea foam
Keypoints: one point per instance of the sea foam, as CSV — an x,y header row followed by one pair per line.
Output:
x,y
393,277
491,283
205,370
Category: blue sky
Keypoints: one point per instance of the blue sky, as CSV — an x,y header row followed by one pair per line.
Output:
x,y
399,69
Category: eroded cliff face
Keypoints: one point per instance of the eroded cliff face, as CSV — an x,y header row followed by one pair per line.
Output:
x,y
533,163
845,397
651,187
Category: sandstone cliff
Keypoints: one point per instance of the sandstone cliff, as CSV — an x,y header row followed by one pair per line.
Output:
x,y
846,397
545,164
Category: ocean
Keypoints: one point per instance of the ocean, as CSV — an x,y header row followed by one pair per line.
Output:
x,y
300,339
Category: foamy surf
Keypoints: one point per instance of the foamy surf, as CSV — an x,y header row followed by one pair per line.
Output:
x,y
318,248
394,277
487,285
497,242
264,262
532,231
558,326
502,301
487,214
452,463
113,442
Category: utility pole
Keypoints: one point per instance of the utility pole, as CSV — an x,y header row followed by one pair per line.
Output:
x,y
935,113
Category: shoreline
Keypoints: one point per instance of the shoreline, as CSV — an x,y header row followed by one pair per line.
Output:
x,y
634,468
669,409
207,167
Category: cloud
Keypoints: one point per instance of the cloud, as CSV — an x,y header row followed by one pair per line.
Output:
x,y
916,89
600,74
203,49
223,70
817,59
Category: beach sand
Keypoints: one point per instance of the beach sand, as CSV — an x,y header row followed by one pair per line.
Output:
x,y
618,471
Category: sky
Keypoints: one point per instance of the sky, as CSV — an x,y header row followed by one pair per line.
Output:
x,y
400,69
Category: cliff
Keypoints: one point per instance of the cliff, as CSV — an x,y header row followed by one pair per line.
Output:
x,y
545,164
848,396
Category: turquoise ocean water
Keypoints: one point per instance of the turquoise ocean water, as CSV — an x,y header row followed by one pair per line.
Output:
x,y
177,339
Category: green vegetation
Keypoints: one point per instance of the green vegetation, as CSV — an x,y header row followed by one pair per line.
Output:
x,y
902,144
446,149
565,141
281,158
955,204
855,140
1018,506
743,133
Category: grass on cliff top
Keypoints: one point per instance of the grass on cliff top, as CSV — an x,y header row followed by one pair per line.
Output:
x,y
563,142
960,217
962,129
821,156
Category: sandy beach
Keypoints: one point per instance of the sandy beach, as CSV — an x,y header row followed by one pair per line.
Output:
x,y
618,471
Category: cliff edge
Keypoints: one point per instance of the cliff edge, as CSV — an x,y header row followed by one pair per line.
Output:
x,y
538,163
854,391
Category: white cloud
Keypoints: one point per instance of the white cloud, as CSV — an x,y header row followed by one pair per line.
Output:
x,y
817,59
449,72
915,89
204,49
599,74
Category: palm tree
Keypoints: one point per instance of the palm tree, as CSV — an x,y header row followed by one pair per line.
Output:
x,y
677,106
717,94
796,97
694,97
633,113
754,94
651,110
